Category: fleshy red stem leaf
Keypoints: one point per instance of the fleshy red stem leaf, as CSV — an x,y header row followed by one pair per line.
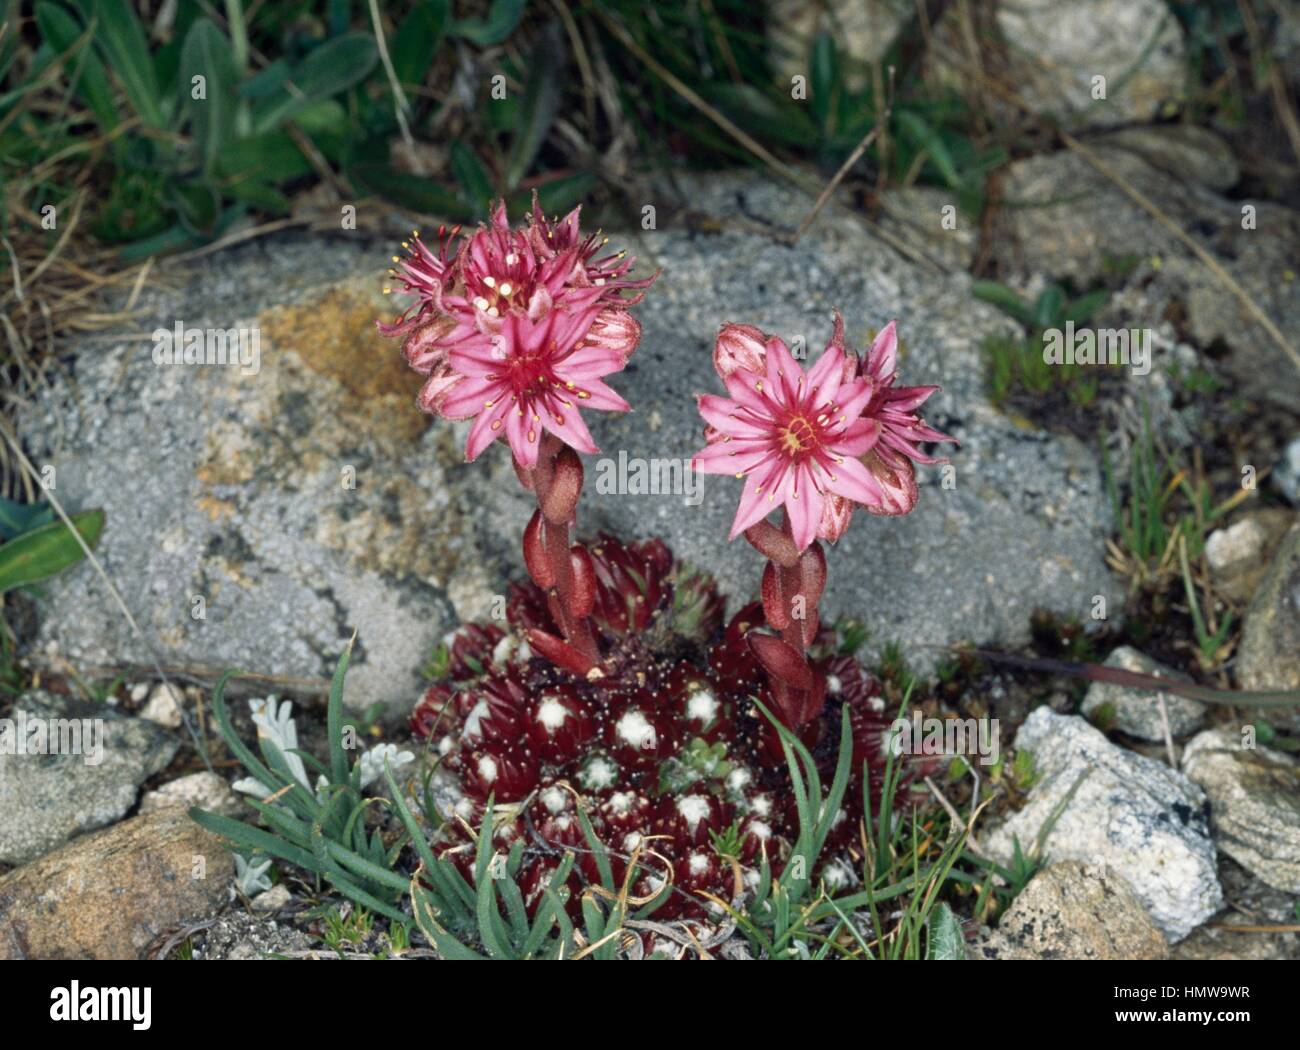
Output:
x,y
775,605
583,597
782,660
813,700
560,500
772,543
535,559
812,572
559,652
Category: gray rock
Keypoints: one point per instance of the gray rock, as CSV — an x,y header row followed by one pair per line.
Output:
x,y
206,790
1286,475
1136,711
45,799
1254,904
1239,554
1147,823
1254,804
273,899
1268,656
229,487
1073,910
239,935
1051,52
115,894
1183,151
1092,223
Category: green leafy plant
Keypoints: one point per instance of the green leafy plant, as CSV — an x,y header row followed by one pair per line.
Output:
x,y
34,546
323,831
1160,505
928,137
1016,365
198,137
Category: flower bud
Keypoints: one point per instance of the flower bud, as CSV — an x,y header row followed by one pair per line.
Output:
x,y
740,346
423,348
615,330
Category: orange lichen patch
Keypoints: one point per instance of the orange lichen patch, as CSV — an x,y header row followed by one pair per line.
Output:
x,y
334,335
216,509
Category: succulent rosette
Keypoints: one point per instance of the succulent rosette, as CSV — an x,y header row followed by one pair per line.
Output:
x,y
665,757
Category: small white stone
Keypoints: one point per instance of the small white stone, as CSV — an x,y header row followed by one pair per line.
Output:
x,y
272,900
164,706
1236,544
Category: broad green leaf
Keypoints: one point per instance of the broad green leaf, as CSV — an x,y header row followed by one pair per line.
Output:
x,y
259,194
266,81
946,940
197,204
1082,308
212,118
120,36
501,20
274,158
61,31
1004,299
539,105
47,550
1047,308
924,134
331,69
556,196
784,122
17,518
410,191
417,40
824,81
471,175
334,720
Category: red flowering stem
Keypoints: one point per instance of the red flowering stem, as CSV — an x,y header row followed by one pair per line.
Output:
x,y
791,590
556,481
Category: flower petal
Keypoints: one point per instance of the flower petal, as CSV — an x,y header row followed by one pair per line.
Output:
x,y
759,496
804,505
858,437
485,430
883,359
567,425
852,480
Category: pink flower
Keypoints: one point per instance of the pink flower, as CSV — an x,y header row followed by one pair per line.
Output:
x,y
516,327
532,376
816,444
422,274
564,239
